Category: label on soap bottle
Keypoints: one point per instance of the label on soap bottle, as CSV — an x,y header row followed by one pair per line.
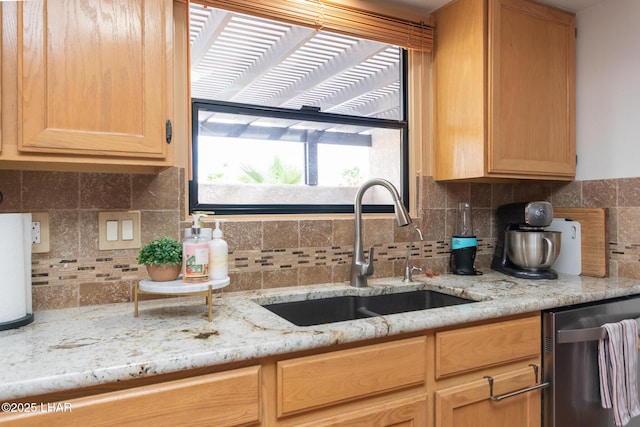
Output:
x,y
196,262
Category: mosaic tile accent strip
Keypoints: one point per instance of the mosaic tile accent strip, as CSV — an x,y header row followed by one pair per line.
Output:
x,y
112,269
85,270
624,252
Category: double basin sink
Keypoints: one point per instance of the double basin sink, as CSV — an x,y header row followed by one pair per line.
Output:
x,y
342,308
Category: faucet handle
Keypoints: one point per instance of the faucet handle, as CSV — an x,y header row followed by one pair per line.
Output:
x,y
408,273
369,265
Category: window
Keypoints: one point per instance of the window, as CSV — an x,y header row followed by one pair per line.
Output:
x,y
287,119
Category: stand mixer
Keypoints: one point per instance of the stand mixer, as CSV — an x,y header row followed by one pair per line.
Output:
x,y
524,248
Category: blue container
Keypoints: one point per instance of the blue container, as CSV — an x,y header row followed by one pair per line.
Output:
x,y
463,242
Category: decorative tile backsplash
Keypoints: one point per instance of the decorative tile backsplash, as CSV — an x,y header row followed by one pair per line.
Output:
x,y
274,253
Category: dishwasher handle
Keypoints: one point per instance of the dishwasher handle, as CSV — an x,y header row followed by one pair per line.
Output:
x,y
568,336
517,392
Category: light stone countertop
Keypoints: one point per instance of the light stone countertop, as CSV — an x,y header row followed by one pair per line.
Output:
x,y
80,347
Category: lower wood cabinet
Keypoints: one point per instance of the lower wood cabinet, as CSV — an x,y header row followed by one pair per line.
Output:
x,y
323,380
436,379
469,349
430,379
477,363
470,404
229,398
402,413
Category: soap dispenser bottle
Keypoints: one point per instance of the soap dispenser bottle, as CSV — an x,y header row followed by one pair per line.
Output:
x,y
195,255
218,255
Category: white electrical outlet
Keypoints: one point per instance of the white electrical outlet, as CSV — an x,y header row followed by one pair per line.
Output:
x,y
35,232
39,232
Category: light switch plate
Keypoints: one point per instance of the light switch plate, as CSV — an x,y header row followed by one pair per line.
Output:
x,y
118,230
112,230
127,229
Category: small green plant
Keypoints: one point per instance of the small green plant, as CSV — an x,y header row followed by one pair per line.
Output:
x,y
164,251
278,173
213,177
352,177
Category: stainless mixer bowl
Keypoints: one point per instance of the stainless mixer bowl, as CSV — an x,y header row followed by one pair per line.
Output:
x,y
532,250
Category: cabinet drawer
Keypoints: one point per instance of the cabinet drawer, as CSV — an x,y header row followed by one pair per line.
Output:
x,y
398,413
477,347
326,379
223,399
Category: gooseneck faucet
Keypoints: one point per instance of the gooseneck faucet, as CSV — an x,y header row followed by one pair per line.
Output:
x,y
361,269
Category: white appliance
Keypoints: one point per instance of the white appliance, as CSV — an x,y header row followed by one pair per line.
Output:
x,y
15,270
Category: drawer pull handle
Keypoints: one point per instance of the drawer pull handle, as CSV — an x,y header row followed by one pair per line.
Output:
x,y
517,392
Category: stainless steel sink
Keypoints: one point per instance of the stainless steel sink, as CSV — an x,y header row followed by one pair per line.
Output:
x,y
338,309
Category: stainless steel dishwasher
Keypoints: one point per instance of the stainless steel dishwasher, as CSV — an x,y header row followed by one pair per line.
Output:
x,y
570,362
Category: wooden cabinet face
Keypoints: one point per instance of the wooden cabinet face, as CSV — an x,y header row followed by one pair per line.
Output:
x,y
533,85
402,413
92,77
460,91
469,404
504,96
230,398
476,347
323,380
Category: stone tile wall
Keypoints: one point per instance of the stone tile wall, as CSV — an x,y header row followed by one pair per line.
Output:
x,y
74,272
283,252
620,197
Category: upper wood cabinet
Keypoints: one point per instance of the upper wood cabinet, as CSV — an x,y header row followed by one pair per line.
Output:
x,y
504,98
94,83
92,76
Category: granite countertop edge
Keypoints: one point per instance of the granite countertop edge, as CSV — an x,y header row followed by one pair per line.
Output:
x,y
71,348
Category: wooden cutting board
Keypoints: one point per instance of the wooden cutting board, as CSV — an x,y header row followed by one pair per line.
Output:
x,y
593,239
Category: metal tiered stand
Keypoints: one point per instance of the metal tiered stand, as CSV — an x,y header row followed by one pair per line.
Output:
x,y
179,288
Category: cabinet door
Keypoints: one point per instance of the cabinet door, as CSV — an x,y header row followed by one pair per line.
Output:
x,y
460,92
532,87
469,404
92,77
